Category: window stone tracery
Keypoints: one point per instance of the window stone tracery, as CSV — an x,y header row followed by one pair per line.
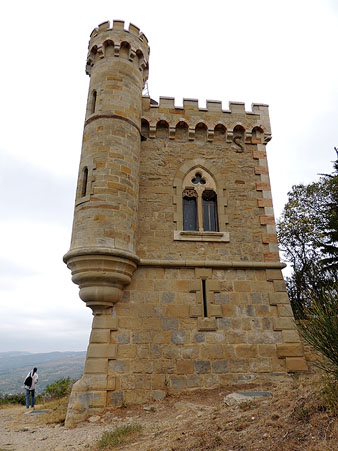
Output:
x,y
200,212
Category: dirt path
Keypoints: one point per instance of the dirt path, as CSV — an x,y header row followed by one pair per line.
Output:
x,y
195,422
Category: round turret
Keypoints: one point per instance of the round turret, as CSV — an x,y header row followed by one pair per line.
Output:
x,y
106,41
102,254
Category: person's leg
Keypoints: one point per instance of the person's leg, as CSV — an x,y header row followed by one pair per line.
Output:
x,y
33,397
27,398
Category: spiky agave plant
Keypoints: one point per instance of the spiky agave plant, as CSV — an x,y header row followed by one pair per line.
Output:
x,y
319,328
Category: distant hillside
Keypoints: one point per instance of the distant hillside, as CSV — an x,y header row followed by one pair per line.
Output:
x,y
15,365
13,353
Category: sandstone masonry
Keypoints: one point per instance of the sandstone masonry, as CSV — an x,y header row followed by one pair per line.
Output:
x,y
174,243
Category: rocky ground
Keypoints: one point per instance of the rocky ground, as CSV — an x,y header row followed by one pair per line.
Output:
x,y
291,419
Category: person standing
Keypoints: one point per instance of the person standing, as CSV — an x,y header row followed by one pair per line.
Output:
x,y
30,384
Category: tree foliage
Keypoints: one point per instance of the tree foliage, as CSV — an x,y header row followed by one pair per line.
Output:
x,y
330,247
308,236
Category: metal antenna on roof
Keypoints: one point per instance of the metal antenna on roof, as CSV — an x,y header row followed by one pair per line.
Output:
x,y
146,89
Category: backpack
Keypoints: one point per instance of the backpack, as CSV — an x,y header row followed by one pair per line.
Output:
x,y
28,381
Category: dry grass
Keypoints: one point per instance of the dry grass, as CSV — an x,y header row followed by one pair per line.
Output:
x,y
57,413
119,436
296,417
329,395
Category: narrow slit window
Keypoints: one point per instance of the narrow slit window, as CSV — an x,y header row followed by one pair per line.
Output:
x,y
94,95
84,182
205,304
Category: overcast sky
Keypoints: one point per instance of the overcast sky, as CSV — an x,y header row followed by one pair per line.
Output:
x,y
283,53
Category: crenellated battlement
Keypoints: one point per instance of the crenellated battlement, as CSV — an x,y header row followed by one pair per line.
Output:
x,y
253,126
106,41
212,105
118,25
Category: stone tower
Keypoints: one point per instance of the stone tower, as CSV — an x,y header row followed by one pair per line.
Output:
x,y
174,245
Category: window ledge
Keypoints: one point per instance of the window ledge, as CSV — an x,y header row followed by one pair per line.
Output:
x,y
189,235
81,200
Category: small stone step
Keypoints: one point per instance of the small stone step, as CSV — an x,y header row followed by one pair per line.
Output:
x,y
239,397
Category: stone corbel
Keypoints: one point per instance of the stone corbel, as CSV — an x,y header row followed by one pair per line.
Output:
x,y
100,275
191,133
172,131
100,51
210,136
132,55
152,131
116,49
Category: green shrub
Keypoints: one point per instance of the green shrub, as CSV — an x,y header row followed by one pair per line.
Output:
x,y
119,436
18,398
320,329
59,388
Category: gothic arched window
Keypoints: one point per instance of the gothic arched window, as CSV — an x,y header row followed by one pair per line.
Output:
x,y
209,202
199,202
200,199
190,210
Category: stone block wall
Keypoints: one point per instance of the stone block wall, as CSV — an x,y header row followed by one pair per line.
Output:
x,y
240,173
163,342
